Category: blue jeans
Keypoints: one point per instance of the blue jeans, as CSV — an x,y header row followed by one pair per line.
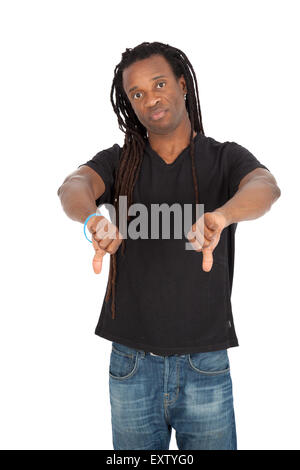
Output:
x,y
151,394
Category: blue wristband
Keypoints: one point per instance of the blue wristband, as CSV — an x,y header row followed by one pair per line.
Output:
x,y
86,223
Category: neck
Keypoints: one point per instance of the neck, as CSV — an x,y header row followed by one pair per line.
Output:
x,y
171,143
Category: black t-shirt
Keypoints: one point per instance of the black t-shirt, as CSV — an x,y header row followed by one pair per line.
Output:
x,y
165,302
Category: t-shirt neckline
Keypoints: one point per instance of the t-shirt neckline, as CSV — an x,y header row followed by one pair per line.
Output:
x,y
179,157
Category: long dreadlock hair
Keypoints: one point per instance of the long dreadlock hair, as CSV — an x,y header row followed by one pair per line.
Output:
x,y
136,134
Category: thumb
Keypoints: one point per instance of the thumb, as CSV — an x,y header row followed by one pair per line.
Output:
x,y
207,260
97,260
98,257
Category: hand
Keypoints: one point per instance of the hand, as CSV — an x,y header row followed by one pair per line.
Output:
x,y
205,235
105,238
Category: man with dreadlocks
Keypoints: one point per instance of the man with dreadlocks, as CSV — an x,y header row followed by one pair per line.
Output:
x,y
167,309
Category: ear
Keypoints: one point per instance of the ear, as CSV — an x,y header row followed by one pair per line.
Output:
x,y
182,84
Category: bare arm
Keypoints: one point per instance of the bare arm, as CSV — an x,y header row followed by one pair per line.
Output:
x,y
257,192
79,192
78,195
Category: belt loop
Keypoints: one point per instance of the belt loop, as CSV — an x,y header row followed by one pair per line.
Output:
x,y
142,354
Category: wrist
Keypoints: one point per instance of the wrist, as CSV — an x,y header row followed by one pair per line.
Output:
x,y
90,220
225,216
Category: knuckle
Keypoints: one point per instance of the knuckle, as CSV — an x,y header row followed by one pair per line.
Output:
x,y
110,249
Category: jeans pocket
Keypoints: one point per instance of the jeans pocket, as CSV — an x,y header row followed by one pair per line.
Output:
x,y
210,363
123,364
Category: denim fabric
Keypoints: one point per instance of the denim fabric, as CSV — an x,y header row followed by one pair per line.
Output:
x,y
151,394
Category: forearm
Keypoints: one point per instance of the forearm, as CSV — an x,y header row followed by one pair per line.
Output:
x,y
253,200
77,198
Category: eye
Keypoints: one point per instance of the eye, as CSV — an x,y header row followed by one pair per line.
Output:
x,y
159,83
135,94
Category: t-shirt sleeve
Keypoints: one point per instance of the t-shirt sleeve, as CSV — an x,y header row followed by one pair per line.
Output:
x,y
105,164
240,162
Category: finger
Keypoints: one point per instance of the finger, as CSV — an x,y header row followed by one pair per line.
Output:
x,y
199,235
114,238
208,233
207,260
205,239
105,235
104,243
195,235
191,235
200,231
114,245
104,230
101,229
207,243
210,238
196,245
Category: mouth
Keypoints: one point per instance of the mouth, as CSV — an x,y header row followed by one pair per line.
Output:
x,y
159,114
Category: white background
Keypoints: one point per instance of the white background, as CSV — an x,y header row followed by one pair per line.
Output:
x,y
57,61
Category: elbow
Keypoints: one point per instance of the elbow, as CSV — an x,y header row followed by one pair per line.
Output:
x,y
61,186
275,195
59,191
277,192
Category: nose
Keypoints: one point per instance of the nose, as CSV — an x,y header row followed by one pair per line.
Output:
x,y
152,102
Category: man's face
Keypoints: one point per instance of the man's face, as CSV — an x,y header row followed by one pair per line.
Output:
x,y
150,84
